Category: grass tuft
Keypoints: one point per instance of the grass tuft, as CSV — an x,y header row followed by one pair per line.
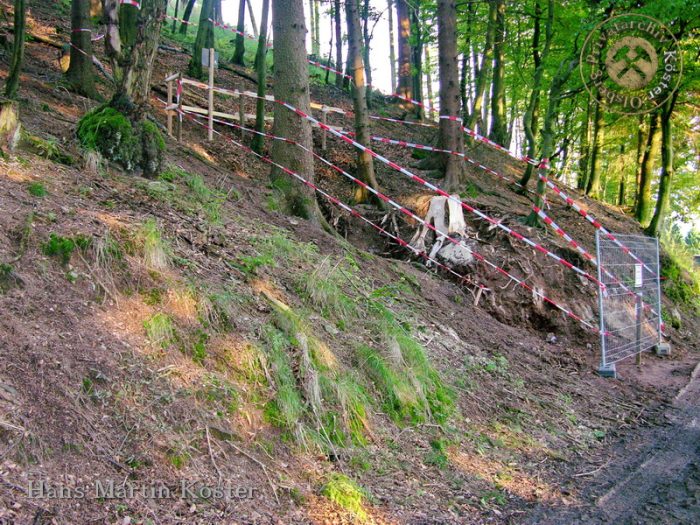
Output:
x,y
160,330
154,249
347,494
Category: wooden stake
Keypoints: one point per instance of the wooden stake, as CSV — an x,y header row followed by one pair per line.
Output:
x,y
179,112
241,113
211,93
170,111
324,119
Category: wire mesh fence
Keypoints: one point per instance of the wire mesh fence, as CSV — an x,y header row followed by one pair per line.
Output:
x,y
630,302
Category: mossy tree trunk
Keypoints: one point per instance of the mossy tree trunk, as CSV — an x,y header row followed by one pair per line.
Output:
x,y
80,73
666,180
261,65
338,43
239,51
204,40
646,172
548,132
291,81
365,164
531,117
9,110
186,16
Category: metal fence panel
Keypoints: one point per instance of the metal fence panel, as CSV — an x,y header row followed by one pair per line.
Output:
x,y
630,302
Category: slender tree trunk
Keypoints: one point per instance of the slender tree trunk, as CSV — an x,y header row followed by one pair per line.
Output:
x,y
338,43
239,51
291,83
666,180
186,16
80,74
417,56
475,120
17,59
366,42
204,40
251,15
622,187
177,9
584,148
651,151
429,80
547,138
218,14
392,48
261,65
330,52
451,136
499,130
531,117
593,189
317,30
405,85
312,27
640,155
365,164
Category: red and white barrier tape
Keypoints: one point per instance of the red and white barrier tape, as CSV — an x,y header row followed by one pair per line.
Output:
x,y
388,200
134,3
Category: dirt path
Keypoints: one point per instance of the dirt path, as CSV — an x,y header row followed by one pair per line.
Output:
x,y
653,476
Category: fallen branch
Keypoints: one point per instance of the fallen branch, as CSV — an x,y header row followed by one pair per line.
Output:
x,y
261,465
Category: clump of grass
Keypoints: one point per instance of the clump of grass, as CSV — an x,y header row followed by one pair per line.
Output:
x,y
37,189
160,330
63,247
347,494
154,249
322,287
437,456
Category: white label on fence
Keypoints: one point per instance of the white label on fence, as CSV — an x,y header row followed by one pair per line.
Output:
x,y
637,275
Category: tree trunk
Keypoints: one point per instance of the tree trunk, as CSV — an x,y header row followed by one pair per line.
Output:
x,y
177,8
338,43
186,16
204,40
429,80
475,120
251,14
17,59
312,28
392,48
651,150
261,65
640,154
547,139
622,187
317,30
291,82
239,51
132,58
593,188
531,117
405,86
366,42
451,136
666,181
80,73
584,148
499,128
365,164
417,57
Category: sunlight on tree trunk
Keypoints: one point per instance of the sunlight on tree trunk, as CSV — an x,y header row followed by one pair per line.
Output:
x,y
651,152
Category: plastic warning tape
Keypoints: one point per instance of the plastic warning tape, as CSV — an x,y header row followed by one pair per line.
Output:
x,y
134,3
407,122
396,205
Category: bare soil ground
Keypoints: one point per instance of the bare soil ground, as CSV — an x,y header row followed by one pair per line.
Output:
x,y
85,395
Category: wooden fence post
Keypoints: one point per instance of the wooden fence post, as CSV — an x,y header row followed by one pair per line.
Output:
x,y
170,111
212,55
324,119
179,108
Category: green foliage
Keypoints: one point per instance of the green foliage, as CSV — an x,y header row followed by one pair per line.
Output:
x,y
681,281
347,494
37,189
154,249
437,455
160,330
47,148
63,247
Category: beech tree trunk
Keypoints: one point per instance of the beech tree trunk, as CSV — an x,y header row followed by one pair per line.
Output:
x,y
451,136
475,120
186,16
291,83
499,127
392,48
417,56
584,148
547,139
317,30
17,59
204,40
366,38
405,85
80,73
338,43
261,65
666,180
251,15
365,164
531,117
239,51
131,45
593,189
429,80
651,151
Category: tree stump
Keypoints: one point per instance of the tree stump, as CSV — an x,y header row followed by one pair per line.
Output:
x,y
10,126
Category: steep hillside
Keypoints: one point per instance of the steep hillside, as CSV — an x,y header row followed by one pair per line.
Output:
x,y
156,333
